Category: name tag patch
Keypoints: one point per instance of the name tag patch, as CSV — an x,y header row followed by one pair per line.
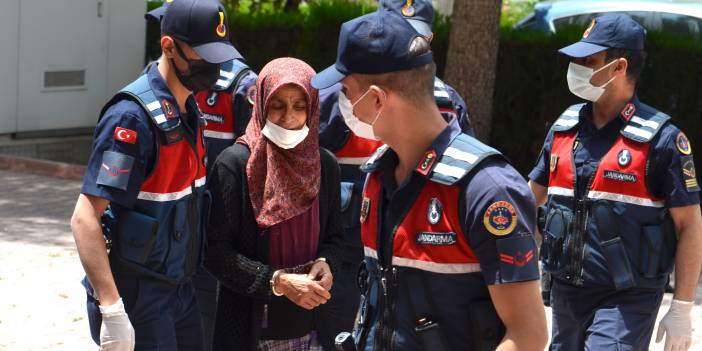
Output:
x,y
213,118
436,238
620,176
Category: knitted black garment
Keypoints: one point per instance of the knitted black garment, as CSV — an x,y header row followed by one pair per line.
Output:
x,y
237,250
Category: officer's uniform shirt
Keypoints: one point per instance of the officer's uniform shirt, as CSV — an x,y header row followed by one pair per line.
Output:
x,y
665,177
492,181
124,145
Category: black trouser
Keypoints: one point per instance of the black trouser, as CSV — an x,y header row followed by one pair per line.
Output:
x,y
206,295
340,311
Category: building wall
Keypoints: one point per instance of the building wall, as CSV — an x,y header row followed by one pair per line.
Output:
x,y
61,60
9,49
127,43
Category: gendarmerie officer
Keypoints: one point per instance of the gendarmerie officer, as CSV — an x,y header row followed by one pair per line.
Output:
x,y
352,144
447,224
622,203
144,190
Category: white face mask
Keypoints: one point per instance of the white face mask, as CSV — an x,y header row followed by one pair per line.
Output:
x,y
284,138
358,127
579,81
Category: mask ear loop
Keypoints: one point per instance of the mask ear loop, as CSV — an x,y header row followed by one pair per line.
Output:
x,y
359,99
602,68
385,98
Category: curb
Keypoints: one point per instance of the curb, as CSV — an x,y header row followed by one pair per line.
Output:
x,y
42,167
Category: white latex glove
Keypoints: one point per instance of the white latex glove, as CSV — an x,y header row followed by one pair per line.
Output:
x,y
116,332
678,325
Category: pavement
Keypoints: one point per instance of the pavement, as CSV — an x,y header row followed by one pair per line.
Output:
x,y
42,304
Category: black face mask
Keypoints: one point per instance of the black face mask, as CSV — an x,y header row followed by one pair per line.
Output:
x,y
201,75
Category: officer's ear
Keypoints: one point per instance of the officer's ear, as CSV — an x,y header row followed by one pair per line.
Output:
x,y
621,66
168,46
380,96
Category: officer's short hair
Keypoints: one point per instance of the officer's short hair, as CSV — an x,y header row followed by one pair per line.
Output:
x,y
635,58
416,85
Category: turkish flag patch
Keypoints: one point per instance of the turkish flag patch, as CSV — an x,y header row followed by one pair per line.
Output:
x,y
125,135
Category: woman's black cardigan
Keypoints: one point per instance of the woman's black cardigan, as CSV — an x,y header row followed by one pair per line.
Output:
x,y
237,250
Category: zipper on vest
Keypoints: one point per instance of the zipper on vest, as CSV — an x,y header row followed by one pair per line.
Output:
x,y
582,214
190,261
194,245
391,326
193,254
378,340
386,329
388,277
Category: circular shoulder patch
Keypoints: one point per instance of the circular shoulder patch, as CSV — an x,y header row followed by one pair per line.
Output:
x,y
500,218
408,10
683,144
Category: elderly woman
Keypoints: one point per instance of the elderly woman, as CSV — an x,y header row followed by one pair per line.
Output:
x,y
275,226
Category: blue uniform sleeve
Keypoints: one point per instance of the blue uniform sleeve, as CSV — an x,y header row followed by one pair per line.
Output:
x,y
242,102
461,110
333,132
122,154
499,216
540,172
673,175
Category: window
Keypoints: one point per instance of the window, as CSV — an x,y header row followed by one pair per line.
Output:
x,y
527,22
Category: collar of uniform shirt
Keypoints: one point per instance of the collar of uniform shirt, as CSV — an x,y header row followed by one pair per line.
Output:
x,y
388,161
158,84
615,124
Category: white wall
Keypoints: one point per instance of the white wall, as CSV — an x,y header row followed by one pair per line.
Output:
x,y
9,47
126,49
60,36
102,38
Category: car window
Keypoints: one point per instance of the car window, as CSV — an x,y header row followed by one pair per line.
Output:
x,y
574,21
681,25
583,20
527,22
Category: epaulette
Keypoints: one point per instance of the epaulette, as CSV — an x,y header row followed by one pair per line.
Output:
x,y
568,119
374,161
163,114
461,156
230,74
645,124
